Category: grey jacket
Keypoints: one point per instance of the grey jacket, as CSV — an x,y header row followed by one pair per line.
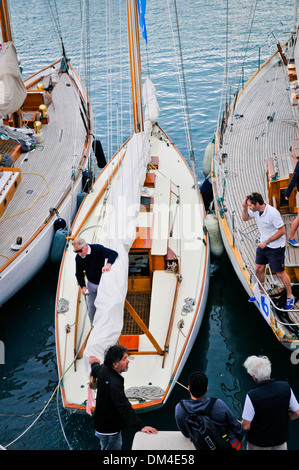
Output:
x,y
220,415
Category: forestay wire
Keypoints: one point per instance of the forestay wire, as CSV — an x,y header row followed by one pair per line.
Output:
x,y
182,88
53,13
239,40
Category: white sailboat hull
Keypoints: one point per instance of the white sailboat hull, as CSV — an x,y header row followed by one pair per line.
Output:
x,y
51,179
253,134
177,301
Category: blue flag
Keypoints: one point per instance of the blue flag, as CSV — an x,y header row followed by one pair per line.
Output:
x,y
141,4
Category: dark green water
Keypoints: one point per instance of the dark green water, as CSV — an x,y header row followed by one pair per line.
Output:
x,y
231,330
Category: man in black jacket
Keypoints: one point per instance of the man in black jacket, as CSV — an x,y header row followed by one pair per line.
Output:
x,y
90,260
268,408
113,409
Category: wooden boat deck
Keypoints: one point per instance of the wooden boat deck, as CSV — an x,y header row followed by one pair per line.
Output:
x,y
46,171
167,268
263,124
140,301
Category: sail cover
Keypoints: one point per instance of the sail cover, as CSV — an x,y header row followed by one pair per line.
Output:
x,y
12,89
112,291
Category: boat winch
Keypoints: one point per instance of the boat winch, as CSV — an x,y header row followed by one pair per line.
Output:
x,y
38,134
18,244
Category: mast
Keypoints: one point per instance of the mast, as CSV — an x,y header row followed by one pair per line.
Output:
x,y
7,38
135,63
5,21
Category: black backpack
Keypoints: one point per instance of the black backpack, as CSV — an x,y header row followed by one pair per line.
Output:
x,y
204,434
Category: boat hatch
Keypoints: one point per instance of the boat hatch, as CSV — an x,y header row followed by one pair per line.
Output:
x,y
10,179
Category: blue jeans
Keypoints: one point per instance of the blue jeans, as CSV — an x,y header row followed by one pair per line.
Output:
x,y
107,442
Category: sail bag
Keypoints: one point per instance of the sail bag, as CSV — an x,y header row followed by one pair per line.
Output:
x,y
12,89
112,291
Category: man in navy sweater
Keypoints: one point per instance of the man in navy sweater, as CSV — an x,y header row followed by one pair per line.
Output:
x,y
268,408
90,261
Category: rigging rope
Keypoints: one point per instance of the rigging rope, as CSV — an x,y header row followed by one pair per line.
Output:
x,y
182,89
55,19
57,388
184,82
240,58
240,55
109,80
27,429
249,30
82,103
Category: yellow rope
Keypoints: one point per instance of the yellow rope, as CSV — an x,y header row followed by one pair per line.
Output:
x,y
40,197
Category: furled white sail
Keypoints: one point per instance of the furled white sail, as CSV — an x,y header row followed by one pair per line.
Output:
x,y
12,89
112,291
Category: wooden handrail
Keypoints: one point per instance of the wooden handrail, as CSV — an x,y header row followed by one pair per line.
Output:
x,y
76,324
81,351
170,326
79,354
142,325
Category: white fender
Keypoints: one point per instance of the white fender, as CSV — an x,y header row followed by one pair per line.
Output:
x,y
207,160
216,243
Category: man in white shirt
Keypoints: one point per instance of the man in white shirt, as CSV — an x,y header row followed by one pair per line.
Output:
x,y
271,249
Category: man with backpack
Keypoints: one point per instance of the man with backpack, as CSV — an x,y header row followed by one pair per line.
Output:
x,y
208,422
